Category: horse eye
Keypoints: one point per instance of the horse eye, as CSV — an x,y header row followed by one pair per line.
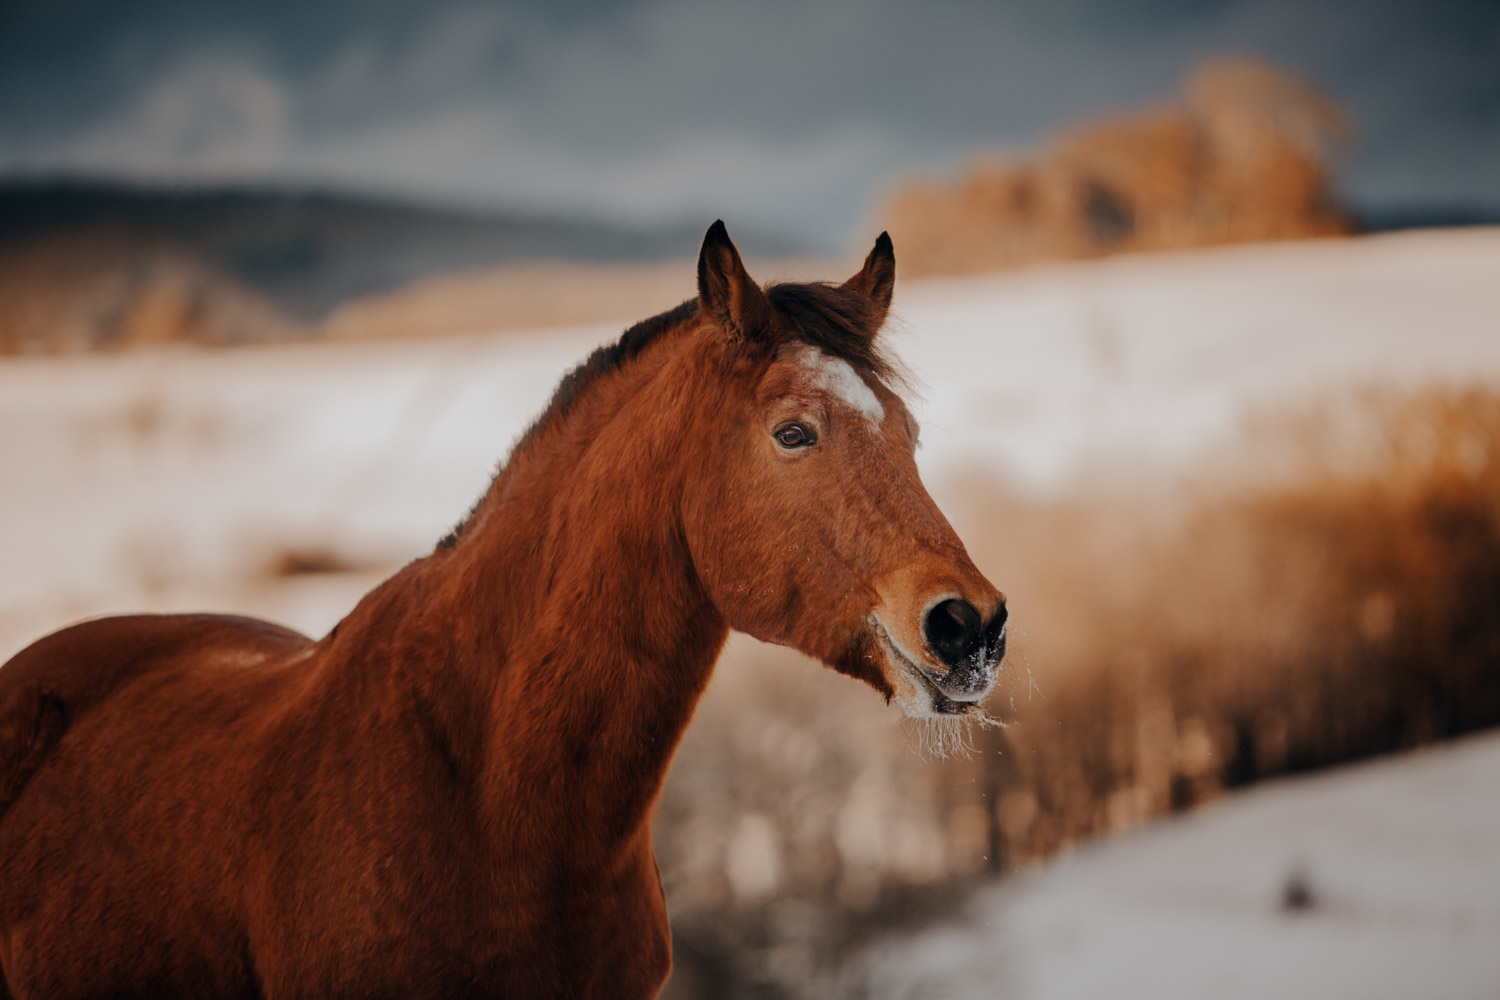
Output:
x,y
794,436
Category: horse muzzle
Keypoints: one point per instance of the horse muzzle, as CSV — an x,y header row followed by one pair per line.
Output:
x,y
971,648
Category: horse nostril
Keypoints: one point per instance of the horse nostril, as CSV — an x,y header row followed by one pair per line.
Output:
x,y
953,630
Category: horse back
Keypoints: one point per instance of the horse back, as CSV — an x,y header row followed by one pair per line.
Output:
x,y
61,677
83,663
116,767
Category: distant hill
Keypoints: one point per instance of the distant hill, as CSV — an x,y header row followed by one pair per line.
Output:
x,y
87,266
1397,218
307,252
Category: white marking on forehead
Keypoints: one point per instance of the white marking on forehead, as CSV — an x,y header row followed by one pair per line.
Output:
x,y
839,377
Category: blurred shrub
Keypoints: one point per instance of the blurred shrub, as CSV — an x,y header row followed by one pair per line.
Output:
x,y
1244,156
90,292
1334,594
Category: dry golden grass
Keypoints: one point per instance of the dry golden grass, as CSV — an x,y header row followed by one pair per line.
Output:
x,y
1333,594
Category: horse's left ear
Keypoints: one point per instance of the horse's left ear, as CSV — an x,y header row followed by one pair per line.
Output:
x,y
877,279
725,289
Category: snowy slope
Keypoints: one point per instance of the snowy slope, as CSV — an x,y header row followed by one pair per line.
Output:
x,y
167,479
1399,859
1152,360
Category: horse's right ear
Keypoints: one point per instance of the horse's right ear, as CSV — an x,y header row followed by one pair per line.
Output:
x,y
877,279
726,291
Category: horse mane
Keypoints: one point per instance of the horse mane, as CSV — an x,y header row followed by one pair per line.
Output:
x,y
831,317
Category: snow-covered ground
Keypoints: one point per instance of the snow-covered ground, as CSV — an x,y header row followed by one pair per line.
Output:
x,y
1154,360
1396,861
164,479
168,479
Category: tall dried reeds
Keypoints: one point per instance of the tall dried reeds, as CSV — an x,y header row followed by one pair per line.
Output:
x,y
1334,593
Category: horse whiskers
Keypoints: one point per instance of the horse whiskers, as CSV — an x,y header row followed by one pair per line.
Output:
x,y
943,736
951,736
985,720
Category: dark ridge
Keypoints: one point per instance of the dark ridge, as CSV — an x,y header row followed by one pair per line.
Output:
x,y
310,250
1398,218
828,316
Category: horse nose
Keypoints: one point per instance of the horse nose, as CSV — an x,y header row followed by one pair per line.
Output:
x,y
954,630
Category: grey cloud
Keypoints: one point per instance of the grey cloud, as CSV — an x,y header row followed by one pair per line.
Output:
x,y
793,112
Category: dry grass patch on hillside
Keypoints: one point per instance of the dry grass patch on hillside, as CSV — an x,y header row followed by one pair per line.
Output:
x,y
1335,595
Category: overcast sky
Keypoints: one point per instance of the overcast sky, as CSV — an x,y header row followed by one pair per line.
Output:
x,y
792,116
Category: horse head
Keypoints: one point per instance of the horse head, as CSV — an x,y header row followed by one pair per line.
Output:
x,y
808,524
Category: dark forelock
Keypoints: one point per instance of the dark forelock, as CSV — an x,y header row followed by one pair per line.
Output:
x,y
838,320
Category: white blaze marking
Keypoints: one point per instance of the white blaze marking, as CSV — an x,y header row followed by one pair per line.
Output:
x,y
839,377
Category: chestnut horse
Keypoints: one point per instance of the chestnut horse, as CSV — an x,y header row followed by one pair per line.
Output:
x,y
450,794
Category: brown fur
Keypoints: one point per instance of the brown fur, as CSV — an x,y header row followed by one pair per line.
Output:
x,y
450,794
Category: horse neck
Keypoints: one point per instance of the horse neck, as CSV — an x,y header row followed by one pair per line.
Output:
x,y
572,621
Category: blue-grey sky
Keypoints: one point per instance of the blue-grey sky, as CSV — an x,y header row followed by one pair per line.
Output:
x,y
791,115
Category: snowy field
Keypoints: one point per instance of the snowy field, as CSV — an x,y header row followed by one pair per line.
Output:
x,y
175,479
1378,881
